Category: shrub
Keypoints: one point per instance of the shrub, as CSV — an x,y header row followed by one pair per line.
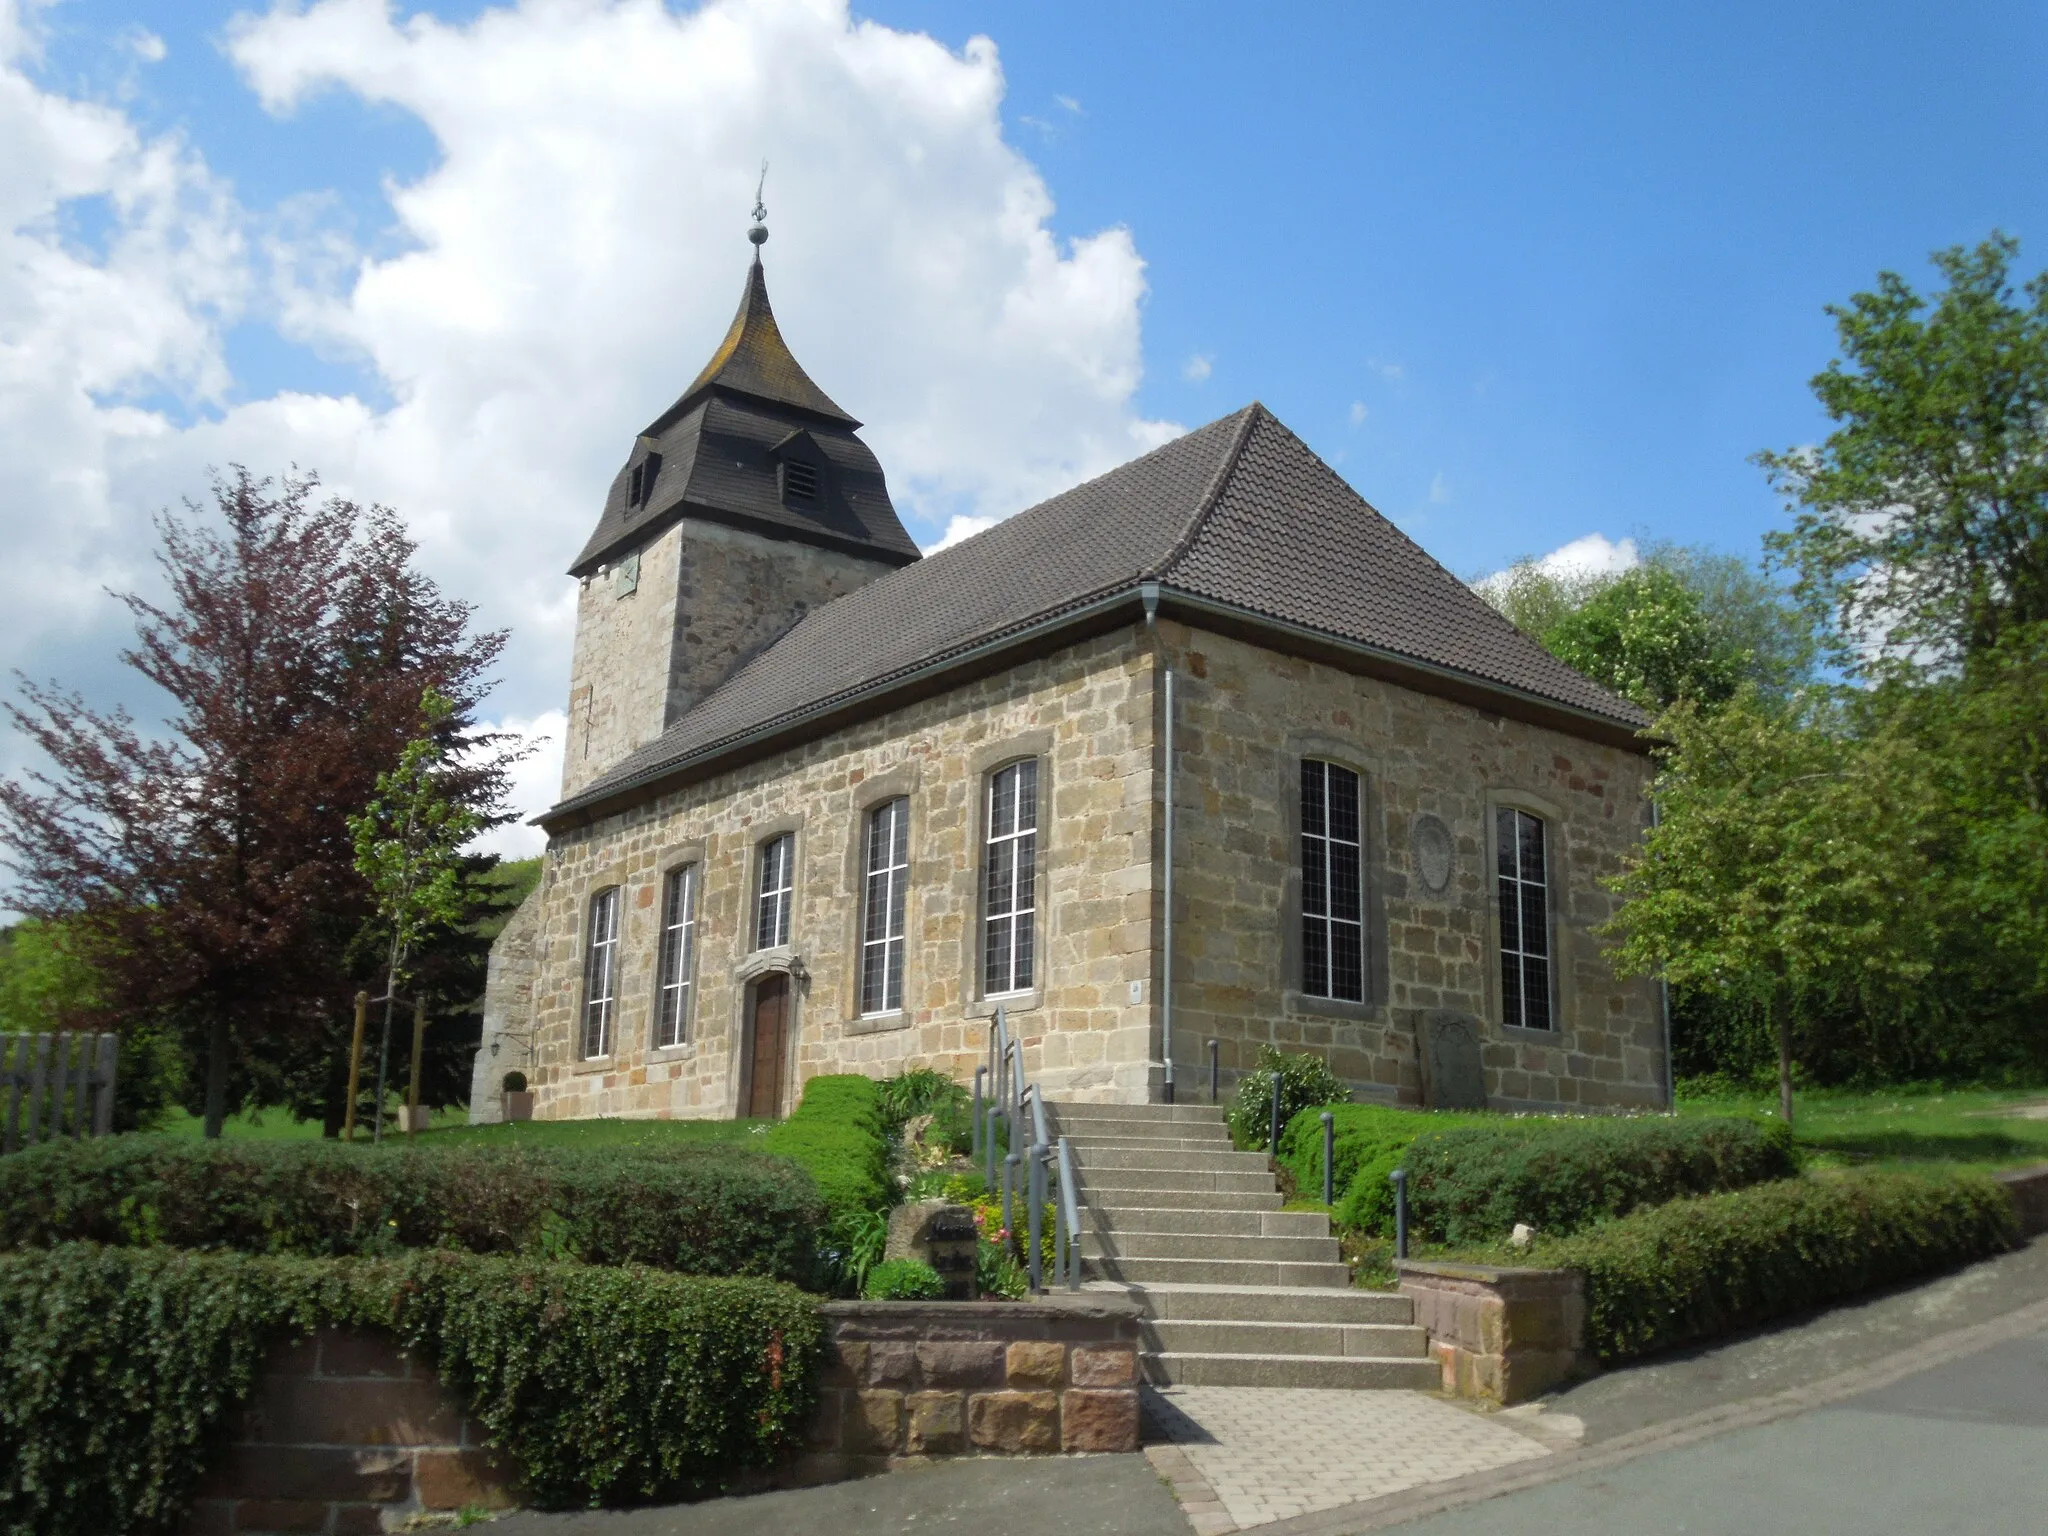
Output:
x,y
903,1280
923,1091
710,1210
1370,1142
1305,1082
1699,1267
838,1133
121,1369
1472,1183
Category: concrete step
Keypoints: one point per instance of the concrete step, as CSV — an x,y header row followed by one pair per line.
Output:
x,y
1199,1245
1169,1301
1227,1370
1145,1271
1128,1197
1077,1113
1251,1181
1168,1140
1212,1223
1173,1159
1357,1341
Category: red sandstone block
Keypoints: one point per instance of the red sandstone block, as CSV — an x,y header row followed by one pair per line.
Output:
x,y
280,1517
1107,1366
1099,1420
961,1364
457,1479
324,1410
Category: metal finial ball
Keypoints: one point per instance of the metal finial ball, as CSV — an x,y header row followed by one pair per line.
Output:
x,y
758,234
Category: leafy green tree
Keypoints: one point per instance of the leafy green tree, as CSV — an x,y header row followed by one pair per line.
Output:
x,y
1645,635
1920,525
408,843
1774,875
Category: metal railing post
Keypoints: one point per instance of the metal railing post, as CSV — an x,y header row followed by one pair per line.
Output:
x,y
988,1147
1035,1223
1400,1178
974,1147
1273,1145
1215,1072
1070,1206
1329,1158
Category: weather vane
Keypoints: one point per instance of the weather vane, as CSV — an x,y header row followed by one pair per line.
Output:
x,y
759,233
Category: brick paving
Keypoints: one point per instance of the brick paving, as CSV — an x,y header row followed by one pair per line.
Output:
x,y
1244,1456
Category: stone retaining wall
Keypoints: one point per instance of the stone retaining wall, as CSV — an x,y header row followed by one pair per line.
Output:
x,y
915,1378
345,1434
2028,1188
1500,1335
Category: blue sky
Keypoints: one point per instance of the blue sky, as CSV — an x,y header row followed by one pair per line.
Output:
x,y
1525,275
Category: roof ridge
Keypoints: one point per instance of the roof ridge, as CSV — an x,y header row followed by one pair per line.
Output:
x,y
1212,493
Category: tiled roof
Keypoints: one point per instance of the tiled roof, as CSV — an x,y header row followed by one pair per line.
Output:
x,y
719,449
1240,512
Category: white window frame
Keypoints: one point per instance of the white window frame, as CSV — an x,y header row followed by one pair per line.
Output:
x,y
601,973
775,887
1513,885
884,898
678,957
1322,855
1009,885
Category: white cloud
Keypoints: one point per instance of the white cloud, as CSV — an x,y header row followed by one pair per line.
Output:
x,y
1592,554
1393,373
1439,489
572,256
960,529
1068,103
1198,368
536,783
1358,413
145,45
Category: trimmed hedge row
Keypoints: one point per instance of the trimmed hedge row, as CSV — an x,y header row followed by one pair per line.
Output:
x,y
839,1133
1471,1177
121,1370
1472,1183
1696,1268
707,1210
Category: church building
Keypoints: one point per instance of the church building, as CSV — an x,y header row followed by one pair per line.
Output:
x,y
1202,754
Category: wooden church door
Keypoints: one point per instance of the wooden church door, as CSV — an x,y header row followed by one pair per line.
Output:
x,y
771,1039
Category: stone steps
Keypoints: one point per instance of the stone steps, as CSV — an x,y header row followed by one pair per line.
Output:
x,y
1235,1291
1119,1243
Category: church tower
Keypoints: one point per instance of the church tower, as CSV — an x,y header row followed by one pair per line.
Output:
x,y
745,504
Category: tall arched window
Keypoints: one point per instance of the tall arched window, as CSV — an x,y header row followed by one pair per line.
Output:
x,y
888,877
678,956
1010,880
601,973
1523,856
1332,883
777,883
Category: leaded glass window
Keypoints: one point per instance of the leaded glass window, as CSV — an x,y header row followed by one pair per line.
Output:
x,y
601,973
1332,883
678,954
1524,918
888,876
776,885
1010,879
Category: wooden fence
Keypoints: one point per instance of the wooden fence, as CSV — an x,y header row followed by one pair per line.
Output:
x,y
46,1082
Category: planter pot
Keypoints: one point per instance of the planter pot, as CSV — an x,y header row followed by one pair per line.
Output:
x,y
519,1106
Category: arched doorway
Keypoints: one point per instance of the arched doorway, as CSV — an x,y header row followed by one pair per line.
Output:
x,y
768,1046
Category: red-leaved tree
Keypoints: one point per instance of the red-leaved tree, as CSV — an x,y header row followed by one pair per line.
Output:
x,y
208,865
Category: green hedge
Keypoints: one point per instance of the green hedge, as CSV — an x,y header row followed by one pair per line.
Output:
x,y
121,1370
708,1210
1371,1140
839,1133
1472,1183
1697,1268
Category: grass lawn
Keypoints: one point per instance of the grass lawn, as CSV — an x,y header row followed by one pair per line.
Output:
x,y
451,1127
1903,1125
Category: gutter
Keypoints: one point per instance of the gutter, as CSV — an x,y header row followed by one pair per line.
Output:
x,y
1149,597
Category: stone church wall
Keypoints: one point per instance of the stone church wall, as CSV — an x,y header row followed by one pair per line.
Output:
x,y
1246,717
653,639
1086,713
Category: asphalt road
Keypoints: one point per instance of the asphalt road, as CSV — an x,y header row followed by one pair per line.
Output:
x,y
1962,1447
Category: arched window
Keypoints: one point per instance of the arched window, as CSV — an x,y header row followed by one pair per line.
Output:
x,y
888,876
1523,855
1010,880
678,956
601,973
1332,883
776,884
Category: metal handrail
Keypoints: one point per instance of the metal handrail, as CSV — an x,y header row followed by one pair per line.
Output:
x,y
1029,1171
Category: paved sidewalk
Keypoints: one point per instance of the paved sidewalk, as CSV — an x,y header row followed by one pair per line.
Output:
x,y
1244,1456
